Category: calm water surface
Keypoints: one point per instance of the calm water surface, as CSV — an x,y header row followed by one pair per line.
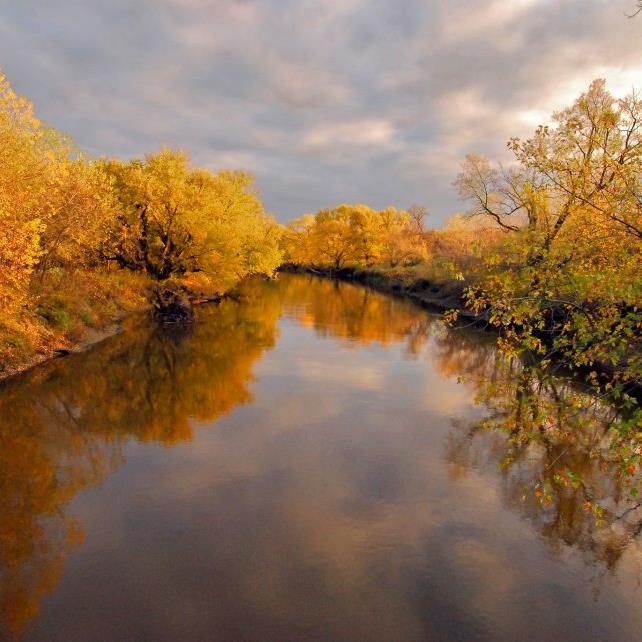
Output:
x,y
303,464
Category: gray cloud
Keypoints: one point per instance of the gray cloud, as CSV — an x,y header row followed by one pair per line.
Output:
x,y
326,101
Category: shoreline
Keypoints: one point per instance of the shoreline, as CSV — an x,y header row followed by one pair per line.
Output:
x,y
440,297
426,294
91,337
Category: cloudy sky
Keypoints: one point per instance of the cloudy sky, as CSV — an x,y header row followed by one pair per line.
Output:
x,y
326,101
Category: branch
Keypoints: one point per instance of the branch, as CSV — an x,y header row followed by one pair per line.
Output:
x,y
638,9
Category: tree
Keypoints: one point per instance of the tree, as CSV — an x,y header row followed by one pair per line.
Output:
x,y
67,224
416,215
563,285
174,220
401,243
80,203
357,235
590,159
333,242
507,198
366,233
588,163
297,241
23,174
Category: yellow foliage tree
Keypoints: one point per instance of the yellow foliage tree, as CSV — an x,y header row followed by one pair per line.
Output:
x,y
175,221
23,172
356,235
67,224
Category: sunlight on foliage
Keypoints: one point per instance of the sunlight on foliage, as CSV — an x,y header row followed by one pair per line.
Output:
x,y
72,228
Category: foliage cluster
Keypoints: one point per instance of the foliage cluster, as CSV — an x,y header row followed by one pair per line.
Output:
x,y
563,283
82,240
356,235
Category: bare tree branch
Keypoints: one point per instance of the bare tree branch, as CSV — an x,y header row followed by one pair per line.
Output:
x,y
638,9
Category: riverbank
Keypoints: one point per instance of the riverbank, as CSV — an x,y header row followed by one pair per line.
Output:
x,y
435,296
97,328
445,295
90,336
439,296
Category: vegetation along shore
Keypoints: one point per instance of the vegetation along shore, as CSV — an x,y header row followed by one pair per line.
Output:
x,y
85,242
549,253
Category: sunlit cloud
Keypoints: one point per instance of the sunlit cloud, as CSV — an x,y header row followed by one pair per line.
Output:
x,y
371,132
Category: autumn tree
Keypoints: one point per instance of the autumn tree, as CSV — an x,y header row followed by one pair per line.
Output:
x,y
333,242
23,185
563,285
589,160
416,219
366,233
54,205
402,244
297,241
71,229
79,207
357,235
174,220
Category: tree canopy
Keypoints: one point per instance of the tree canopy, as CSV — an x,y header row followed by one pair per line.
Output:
x,y
82,240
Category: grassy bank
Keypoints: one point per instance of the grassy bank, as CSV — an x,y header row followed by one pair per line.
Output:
x,y
68,315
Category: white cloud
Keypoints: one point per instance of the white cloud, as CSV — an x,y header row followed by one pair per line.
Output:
x,y
367,132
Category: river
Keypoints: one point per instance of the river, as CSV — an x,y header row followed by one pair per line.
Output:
x,y
310,461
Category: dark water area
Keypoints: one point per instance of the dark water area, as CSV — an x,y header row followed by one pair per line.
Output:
x,y
307,462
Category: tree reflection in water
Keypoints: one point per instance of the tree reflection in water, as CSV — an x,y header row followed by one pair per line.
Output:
x,y
551,441
63,427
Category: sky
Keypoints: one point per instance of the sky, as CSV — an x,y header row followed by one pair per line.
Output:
x,y
325,101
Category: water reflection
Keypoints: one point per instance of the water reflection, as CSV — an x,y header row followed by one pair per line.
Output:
x,y
550,440
63,427
325,508
340,310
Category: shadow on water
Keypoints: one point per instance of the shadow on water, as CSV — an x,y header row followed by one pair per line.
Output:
x,y
67,426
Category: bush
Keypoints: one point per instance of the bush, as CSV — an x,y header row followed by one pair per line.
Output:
x,y
54,311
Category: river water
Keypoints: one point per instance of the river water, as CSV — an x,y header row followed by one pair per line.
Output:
x,y
307,462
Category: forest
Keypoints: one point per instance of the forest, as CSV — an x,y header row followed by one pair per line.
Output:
x,y
85,241
548,254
